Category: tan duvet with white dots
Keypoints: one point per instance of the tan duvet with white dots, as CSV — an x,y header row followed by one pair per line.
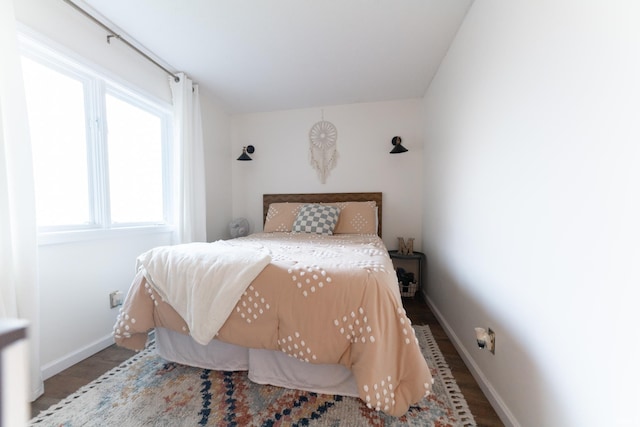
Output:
x,y
321,299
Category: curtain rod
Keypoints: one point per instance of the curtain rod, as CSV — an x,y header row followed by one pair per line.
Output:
x,y
113,34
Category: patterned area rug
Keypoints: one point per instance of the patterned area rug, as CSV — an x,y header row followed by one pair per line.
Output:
x,y
149,391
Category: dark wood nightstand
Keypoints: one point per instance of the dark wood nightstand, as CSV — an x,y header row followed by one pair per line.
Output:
x,y
413,264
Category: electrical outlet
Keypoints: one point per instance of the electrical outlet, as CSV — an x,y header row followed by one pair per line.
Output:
x,y
115,299
491,344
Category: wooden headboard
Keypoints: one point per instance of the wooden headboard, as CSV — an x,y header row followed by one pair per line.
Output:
x,y
267,199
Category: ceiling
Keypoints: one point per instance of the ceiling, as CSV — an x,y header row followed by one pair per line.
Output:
x,y
265,55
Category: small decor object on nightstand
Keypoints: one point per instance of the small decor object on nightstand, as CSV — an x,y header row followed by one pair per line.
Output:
x,y
239,227
405,248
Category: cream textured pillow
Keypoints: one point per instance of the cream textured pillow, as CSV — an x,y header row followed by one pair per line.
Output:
x,y
280,216
315,218
356,218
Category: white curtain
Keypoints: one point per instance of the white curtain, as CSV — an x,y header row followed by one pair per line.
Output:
x,y
191,210
18,232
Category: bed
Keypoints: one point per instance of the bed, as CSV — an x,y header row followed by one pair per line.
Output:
x,y
292,305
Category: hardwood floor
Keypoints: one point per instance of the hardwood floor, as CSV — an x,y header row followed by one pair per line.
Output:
x,y
60,386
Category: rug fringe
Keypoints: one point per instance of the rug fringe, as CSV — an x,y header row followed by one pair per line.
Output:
x,y
42,416
458,402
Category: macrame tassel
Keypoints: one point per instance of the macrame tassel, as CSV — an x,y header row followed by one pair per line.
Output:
x,y
323,161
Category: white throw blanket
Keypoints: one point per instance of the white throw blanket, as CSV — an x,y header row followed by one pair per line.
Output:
x,y
203,281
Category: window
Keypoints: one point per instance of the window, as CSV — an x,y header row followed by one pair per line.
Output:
x,y
100,149
135,163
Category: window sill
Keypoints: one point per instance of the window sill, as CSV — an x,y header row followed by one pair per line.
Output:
x,y
62,237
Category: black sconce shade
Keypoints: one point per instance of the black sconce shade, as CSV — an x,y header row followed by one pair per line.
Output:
x,y
248,149
397,145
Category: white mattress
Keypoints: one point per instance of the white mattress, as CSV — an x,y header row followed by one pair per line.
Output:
x,y
264,366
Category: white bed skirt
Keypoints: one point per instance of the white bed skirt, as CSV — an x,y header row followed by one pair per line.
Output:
x,y
263,366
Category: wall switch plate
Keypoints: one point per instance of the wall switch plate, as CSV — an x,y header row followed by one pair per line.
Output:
x,y
115,299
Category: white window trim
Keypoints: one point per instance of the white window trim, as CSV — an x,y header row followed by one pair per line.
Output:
x,y
101,81
63,237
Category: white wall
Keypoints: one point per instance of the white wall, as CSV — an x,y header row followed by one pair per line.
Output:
x,y
281,160
531,205
76,278
217,152
75,282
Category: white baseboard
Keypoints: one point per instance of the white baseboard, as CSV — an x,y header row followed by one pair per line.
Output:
x,y
59,365
494,398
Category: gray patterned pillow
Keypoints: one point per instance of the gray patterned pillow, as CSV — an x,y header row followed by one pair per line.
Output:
x,y
319,219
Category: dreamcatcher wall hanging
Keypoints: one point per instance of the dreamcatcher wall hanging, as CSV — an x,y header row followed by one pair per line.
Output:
x,y
322,148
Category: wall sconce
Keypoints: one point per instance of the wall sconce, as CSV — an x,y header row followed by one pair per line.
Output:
x,y
397,145
248,149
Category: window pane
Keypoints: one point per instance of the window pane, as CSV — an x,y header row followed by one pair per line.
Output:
x,y
135,163
55,105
